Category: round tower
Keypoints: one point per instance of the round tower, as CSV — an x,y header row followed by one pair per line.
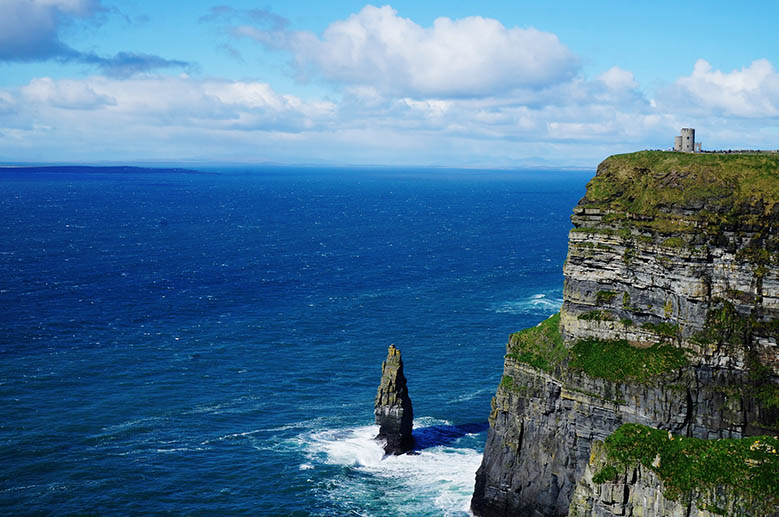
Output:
x,y
677,143
688,140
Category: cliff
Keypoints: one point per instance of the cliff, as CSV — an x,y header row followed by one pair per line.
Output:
x,y
670,320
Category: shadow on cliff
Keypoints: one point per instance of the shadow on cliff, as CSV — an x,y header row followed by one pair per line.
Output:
x,y
435,435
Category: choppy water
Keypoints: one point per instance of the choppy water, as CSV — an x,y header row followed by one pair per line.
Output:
x,y
196,343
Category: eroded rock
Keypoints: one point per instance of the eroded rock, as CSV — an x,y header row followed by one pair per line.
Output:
x,y
394,414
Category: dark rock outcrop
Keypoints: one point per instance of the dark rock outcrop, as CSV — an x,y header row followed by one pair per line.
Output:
x,y
667,251
393,411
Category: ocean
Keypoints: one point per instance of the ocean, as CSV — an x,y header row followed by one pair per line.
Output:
x,y
211,343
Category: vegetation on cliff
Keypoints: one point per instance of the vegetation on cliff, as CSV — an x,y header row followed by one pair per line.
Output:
x,y
615,360
618,361
725,327
749,467
645,181
540,346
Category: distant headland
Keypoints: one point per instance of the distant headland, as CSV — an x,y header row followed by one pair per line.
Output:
x,y
79,169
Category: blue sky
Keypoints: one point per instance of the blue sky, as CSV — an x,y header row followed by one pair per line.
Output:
x,y
496,84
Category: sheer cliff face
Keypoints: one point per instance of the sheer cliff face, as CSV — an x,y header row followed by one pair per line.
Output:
x,y
635,490
663,240
670,319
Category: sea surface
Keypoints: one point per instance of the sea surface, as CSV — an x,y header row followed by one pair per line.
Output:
x,y
211,343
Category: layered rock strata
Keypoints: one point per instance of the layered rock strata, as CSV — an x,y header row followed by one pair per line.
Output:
x,y
393,411
636,489
670,319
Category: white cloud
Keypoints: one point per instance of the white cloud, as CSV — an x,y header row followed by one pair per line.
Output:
x,y
67,94
168,101
183,116
616,78
751,92
467,57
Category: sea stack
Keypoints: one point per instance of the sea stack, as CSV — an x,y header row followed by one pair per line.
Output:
x,y
394,415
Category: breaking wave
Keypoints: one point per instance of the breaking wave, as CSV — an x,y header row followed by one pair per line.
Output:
x,y
541,303
439,471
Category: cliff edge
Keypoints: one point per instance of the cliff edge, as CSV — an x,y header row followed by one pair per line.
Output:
x,y
670,321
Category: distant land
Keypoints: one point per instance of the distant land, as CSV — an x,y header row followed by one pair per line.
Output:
x,y
94,169
198,166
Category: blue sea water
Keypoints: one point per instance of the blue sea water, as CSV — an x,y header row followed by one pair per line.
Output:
x,y
212,343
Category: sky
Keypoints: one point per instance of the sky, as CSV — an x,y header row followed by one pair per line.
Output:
x,y
458,84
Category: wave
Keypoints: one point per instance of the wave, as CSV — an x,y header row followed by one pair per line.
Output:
x,y
540,303
472,395
371,484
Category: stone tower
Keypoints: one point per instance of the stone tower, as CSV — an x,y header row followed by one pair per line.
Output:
x,y
688,140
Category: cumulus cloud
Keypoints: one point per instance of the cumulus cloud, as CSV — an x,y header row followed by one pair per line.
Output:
x,y
30,31
7,103
67,94
751,92
173,101
616,78
185,116
467,57
575,111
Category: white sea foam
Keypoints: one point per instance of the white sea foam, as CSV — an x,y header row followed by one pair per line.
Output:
x,y
540,303
473,394
182,449
437,480
348,447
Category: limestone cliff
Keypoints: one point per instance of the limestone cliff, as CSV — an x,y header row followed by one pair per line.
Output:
x,y
639,488
670,320
393,411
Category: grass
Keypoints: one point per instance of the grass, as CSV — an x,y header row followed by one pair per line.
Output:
x,y
643,182
603,297
607,473
674,242
540,346
662,329
597,315
615,360
724,325
748,466
618,361
507,383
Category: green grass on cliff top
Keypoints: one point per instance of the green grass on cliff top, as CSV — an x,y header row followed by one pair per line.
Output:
x,y
615,360
644,181
747,466
618,361
540,346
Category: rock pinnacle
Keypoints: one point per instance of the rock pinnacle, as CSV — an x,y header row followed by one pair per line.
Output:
x,y
394,415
